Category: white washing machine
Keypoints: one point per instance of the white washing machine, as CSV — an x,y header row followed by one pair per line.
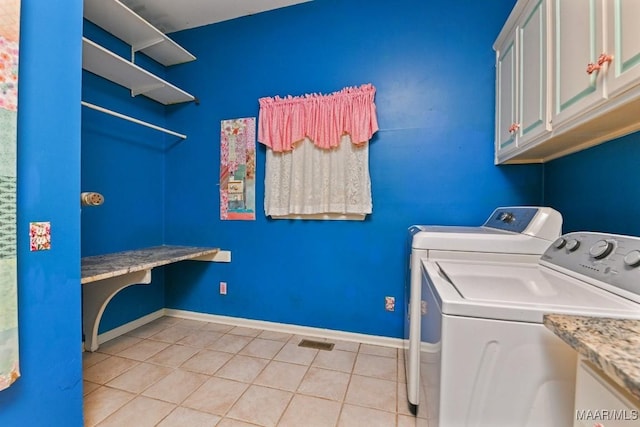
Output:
x,y
517,234
487,359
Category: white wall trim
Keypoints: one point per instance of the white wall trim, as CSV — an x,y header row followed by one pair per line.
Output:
x,y
256,324
128,327
288,328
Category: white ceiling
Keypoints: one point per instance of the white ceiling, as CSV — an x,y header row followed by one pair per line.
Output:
x,y
174,15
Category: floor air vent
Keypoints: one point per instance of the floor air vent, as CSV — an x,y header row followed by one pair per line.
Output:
x,y
318,345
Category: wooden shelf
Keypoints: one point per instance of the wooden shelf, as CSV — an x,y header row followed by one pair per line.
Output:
x,y
110,66
122,22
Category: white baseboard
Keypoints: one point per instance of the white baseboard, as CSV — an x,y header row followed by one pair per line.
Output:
x,y
128,327
288,328
256,324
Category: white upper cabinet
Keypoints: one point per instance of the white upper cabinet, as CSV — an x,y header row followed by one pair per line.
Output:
x,y
522,89
578,42
533,72
506,95
592,63
623,45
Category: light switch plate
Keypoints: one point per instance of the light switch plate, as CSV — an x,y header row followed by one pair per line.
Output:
x,y
40,236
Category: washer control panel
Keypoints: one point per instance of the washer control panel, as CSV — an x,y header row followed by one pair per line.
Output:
x,y
613,259
538,221
515,218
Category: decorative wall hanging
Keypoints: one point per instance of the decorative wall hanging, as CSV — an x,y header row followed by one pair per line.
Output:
x,y
9,42
238,169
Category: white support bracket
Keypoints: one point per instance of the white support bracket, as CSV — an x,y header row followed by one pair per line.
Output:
x,y
147,43
95,297
220,256
143,45
139,90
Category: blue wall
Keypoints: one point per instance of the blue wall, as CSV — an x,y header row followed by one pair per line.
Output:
x,y
50,389
124,162
431,162
597,189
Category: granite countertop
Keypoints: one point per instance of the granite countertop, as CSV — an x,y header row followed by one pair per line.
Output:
x,y
99,267
611,344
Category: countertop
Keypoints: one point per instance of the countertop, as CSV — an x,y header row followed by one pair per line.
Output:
x,y
611,344
99,267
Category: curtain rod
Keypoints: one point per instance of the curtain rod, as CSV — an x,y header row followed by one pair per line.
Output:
x,y
131,119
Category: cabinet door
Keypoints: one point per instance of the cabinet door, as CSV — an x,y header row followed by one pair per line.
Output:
x,y
578,40
623,43
506,95
533,108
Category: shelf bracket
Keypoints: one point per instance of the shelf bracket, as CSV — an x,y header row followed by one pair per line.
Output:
x,y
142,46
144,89
95,297
220,256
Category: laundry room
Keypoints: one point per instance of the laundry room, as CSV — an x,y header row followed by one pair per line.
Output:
x,y
432,160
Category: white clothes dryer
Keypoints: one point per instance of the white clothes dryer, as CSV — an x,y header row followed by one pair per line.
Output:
x,y
487,358
516,233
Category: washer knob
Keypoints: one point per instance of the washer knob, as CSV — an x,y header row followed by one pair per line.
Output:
x,y
572,245
632,259
559,243
601,249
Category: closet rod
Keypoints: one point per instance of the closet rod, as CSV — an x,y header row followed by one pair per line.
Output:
x,y
131,119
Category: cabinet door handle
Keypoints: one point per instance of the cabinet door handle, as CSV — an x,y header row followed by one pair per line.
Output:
x,y
602,59
514,127
591,67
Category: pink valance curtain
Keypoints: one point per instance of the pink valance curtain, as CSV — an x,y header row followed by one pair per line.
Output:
x,y
324,119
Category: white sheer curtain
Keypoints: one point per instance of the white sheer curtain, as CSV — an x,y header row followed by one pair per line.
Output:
x,y
314,167
313,182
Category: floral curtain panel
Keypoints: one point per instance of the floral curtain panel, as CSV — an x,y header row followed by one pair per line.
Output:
x,y
317,161
9,36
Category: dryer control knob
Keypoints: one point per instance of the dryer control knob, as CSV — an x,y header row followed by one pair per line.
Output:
x,y
507,217
572,245
559,243
601,249
632,259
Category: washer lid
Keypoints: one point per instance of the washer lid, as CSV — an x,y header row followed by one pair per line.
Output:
x,y
519,292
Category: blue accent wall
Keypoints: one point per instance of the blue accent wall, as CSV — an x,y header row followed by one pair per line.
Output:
x,y
124,162
49,392
596,189
431,162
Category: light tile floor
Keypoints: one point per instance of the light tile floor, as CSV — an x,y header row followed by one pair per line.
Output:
x,y
179,372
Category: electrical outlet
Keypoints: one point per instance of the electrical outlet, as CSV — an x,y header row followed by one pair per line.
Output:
x,y
389,303
223,288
